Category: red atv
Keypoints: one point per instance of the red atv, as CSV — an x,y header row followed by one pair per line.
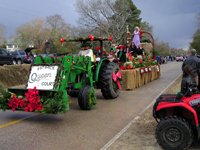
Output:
x,y
178,119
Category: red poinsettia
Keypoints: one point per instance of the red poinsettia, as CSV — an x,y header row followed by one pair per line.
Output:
x,y
130,56
16,102
129,67
140,60
32,98
31,103
122,68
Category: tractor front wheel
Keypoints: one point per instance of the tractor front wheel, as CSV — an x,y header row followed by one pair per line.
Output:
x,y
87,98
174,133
106,81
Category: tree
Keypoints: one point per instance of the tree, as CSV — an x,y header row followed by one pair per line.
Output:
x,y
196,36
35,32
111,17
133,19
2,34
196,41
58,29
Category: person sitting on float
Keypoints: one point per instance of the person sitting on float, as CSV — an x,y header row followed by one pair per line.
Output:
x,y
111,54
113,47
121,55
86,51
133,49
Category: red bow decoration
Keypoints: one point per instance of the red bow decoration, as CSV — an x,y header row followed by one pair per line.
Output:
x,y
62,40
98,48
117,76
91,37
141,34
111,38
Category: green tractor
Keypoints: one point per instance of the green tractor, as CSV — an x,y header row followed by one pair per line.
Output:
x,y
74,76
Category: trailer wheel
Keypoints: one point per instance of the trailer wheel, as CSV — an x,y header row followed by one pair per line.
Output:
x,y
87,98
174,133
106,81
73,93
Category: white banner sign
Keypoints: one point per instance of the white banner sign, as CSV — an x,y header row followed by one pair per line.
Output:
x,y
42,77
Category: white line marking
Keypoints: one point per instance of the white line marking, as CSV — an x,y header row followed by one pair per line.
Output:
x,y
135,119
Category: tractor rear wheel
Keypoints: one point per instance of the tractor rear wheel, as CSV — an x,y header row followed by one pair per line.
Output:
x,y
73,93
174,133
106,81
87,98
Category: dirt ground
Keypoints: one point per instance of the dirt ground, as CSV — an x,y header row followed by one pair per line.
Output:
x,y
140,136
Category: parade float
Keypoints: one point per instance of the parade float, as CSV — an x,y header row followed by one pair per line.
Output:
x,y
138,71
52,79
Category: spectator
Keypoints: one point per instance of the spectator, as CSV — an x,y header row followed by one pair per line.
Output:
x,y
158,59
194,62
188,80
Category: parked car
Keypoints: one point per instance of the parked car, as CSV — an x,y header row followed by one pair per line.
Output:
x,y
6,58
179,58
29,57
43,55
20,56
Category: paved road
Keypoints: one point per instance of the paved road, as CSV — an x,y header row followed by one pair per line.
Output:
x,y
78,129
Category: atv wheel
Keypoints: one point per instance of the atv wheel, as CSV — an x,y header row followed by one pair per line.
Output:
x,y
73,93
87,98
174,133
106,81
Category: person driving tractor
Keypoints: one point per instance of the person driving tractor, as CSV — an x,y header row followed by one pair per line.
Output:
x,y
86,51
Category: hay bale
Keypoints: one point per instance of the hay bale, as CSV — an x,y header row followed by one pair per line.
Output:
x,y
13,75
148,47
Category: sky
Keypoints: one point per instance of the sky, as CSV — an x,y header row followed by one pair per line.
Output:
x,y
173,21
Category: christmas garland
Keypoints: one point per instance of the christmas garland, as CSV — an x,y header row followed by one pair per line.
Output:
x,y
91,98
